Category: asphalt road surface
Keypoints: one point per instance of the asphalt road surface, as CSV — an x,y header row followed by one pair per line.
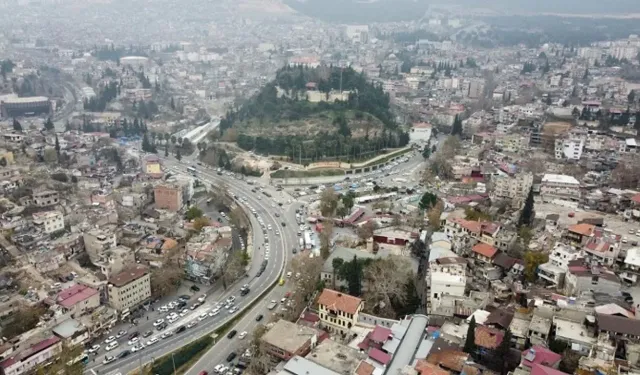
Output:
x,y
281,246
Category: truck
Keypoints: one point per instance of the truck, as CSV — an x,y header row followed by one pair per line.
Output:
x,y
272,305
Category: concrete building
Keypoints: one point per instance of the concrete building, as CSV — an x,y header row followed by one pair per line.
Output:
x,y
420,133
28,106
556,268
50,221
97,241
129,289
173,194
29,359
45,198
558,186
569,148
591,279
78,299
357,33
338,311
513,188
285,340
447,276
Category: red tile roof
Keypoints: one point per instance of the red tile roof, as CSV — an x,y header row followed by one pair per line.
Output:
x,y
128,275
582,229
537,369
488,338
379,356
35,349
485,250
77,293
365,368
334,300
425,368
542,356
380,334
636,198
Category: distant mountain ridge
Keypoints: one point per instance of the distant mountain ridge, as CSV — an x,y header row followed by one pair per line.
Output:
x,y
358,11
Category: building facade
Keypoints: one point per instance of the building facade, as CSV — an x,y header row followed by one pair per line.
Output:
x,y
129,288
168,197
557,186
516,188
50,222
338,311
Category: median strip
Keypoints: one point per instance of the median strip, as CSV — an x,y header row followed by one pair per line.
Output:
x,y
182,364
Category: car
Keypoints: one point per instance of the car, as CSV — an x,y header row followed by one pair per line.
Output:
x,y
192,324
185,297
294,250
181,329
94,349
147,334
121,333
108,359
203,316
158,322
214,312
124,353
162,326
173,320
231,356
112,345
184,312
133,341
289,274
163,309
231,299
219,369
259,317
137,347
203,373
283,224
195,288
242,335
109,339
152,341
234,310
231,333
167,334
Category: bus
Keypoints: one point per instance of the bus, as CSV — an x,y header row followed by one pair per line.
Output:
x,y
83,358
191,170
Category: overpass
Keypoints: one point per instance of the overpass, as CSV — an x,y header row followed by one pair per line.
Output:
x,y
198,134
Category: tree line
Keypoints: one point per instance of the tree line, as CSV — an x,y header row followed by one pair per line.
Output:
x,y
99,102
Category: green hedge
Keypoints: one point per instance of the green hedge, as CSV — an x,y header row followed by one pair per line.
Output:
x,y
164,366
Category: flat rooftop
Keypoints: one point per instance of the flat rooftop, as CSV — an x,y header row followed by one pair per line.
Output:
x,y
337,357
288,336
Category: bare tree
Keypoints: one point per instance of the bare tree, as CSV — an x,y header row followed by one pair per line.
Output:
x,y
366,230
325,238
433,215
234,269
386,280
328,202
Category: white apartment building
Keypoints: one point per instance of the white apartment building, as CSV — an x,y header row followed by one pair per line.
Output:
x,y
50,221
556,268
631,266
624,52
447,276
515,143
129,288
559,186
514,188
569,148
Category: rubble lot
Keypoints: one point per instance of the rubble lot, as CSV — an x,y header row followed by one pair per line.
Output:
x,y
616,223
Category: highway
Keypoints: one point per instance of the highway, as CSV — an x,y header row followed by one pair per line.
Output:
x,y
281,246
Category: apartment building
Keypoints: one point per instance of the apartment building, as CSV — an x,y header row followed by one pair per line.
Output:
x,y
168,197
97,241
558,186
447,277
285,340
466,233
49,222
513,188
515,142
569,148
129,288
78,299
338,311
631,266
29,359
556,268
45,198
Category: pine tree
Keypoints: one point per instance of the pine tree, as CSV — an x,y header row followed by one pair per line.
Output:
x,y
470,343
17,126
57,146
457,126
527,214
631,97
48,125
166,150
502,352
178,155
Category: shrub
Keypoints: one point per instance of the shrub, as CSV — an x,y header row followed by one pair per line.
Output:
x,y
164,366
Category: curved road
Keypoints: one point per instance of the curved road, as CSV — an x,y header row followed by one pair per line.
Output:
x,y
281,246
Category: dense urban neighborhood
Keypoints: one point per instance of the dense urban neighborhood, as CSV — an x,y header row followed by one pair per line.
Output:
x,y
266,187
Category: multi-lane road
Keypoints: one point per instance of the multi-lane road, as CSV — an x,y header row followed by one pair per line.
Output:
x,y
280,251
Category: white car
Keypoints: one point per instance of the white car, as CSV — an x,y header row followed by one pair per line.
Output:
x,y
173,320
158,322
109,339
214,312
94,348
289,274
184,312
234,310
152,341
219,369
231,299
112,345
192,324
133,341
203,316
242,335
137,348
108,359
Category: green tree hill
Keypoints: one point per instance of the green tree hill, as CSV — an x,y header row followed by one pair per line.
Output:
x,y
359,127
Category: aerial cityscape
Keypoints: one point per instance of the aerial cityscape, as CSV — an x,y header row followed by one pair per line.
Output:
x,y
320,187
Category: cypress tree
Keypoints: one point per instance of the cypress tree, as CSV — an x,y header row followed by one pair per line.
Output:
x,y
527,214
470,343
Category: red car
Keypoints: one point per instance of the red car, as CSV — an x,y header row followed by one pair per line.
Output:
x,y
203,373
